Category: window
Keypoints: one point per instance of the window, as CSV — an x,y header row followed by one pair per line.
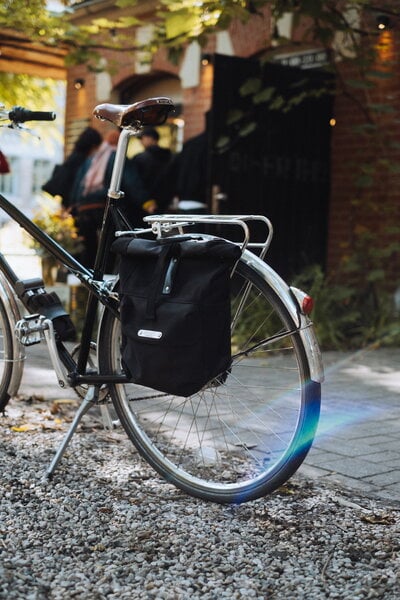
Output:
x,y
42,170
9,182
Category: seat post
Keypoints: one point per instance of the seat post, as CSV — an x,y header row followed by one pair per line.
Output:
x,y
119,162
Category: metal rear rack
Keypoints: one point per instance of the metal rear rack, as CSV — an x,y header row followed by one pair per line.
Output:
x,y
161,224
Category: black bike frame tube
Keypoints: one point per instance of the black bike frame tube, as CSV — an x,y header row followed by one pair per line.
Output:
x,y
99,379
86,336
8,271
92,303
44,240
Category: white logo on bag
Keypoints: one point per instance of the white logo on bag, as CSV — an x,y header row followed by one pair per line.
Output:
x,y
149,333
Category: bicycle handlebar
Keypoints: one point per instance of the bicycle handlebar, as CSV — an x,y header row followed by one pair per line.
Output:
x,y
21,115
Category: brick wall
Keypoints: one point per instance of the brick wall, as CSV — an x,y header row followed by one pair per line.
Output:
x,y
246,39
349,150
365,181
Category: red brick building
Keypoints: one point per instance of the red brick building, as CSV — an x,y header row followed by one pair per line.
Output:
x,y
335,212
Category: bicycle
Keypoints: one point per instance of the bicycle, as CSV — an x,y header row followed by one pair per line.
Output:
x,y
229,443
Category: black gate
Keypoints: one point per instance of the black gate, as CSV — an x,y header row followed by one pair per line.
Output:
x,y
281,168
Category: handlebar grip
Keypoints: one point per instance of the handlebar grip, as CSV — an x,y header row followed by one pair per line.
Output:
x,y
21,115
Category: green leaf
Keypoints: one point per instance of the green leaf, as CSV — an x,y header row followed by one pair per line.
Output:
x,y
248,129
222,142
380,74
179,23
296,100
264,95
125,3
127,22
376,275
364,181
277,103
365,128
234,116
251,86
382,108
360,84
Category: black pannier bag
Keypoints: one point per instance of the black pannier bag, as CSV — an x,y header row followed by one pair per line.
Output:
x,y
175,311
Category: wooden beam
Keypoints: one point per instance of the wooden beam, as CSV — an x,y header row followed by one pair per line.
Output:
x,y
36,70
18,55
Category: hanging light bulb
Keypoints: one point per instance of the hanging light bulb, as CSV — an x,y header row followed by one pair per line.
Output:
x,y
383,22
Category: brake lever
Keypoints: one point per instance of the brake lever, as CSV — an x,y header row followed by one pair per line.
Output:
x,y
20,127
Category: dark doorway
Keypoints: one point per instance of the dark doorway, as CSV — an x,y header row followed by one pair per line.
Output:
x,y
281,168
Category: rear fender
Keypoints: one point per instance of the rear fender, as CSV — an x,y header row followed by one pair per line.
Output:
x,y
304,324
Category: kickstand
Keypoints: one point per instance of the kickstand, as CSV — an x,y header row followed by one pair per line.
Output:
x,y
90,399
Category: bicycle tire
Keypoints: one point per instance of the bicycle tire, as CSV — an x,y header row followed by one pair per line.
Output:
x,y
6,356
236,441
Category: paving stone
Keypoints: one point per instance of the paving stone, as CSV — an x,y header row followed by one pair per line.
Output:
x,y
356,468
386,479
358,439
387,456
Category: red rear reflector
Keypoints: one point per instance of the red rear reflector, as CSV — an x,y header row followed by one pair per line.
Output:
x,y
307,305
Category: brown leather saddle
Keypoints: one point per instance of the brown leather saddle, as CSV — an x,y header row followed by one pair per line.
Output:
x,y
150,112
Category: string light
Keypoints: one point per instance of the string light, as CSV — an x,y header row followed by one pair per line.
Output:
x,y
383,22
79,84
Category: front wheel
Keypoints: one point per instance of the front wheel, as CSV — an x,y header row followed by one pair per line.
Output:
x,y
235,441
6,357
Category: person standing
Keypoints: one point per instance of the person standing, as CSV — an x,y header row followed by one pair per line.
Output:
x,y
90,194
153,165
190,168
63,177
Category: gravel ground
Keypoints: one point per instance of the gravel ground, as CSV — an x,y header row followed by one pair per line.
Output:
x,y
108,527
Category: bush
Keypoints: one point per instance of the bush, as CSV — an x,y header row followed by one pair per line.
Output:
x,y
348,317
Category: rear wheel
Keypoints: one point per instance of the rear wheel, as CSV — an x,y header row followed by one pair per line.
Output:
x,y
239,440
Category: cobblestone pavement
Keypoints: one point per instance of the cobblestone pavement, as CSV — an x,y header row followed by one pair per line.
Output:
x,y
358,440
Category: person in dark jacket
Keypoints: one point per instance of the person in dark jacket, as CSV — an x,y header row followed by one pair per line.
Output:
x,y
90,193
63,177
190,168
153,165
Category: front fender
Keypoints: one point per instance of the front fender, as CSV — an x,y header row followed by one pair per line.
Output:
x,y
17,352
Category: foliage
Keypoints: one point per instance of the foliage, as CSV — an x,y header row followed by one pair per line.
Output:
x,y
33,22
345,315
177,23
350,315
180,22
36,94
189,20
59,225
19,89
256,320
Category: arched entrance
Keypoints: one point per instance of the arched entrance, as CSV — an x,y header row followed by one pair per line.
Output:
x,y
151,85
